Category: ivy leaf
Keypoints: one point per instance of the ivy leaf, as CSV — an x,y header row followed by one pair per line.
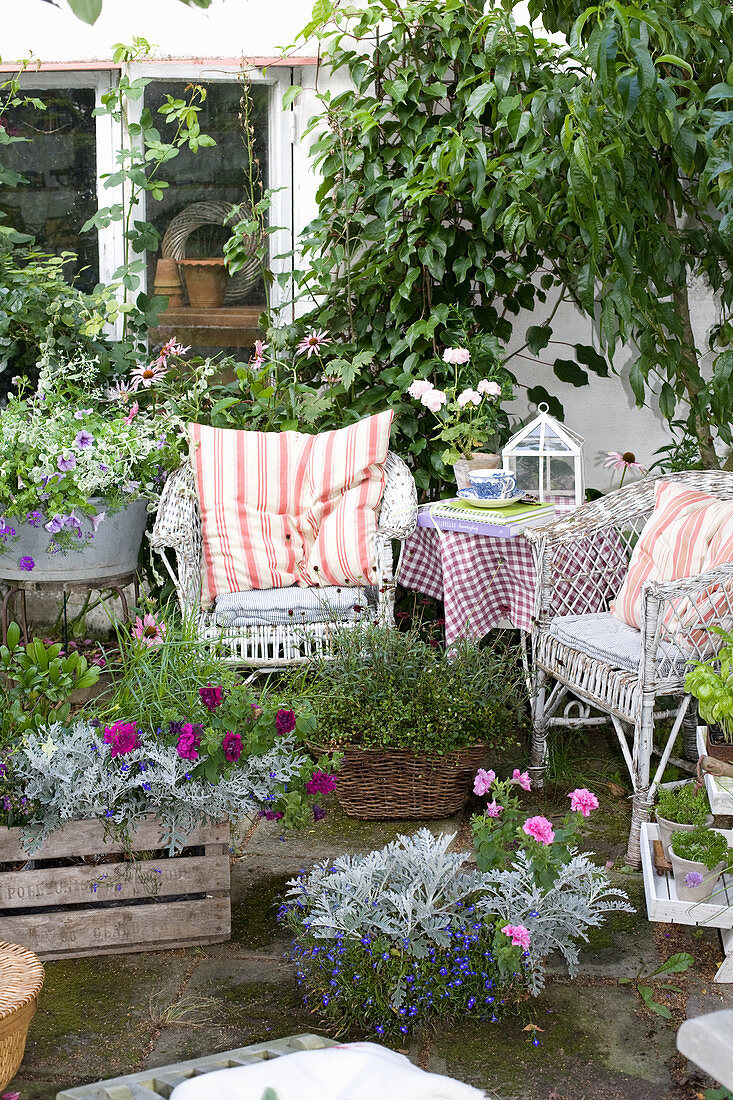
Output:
x,y
86,10
569,371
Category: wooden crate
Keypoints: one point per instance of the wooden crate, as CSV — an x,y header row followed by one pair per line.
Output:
x,y
720,791
662,903
92,907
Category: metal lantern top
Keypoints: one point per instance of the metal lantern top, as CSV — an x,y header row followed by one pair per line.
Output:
x,y
546,457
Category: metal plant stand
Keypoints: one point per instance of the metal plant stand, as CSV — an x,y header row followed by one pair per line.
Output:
x,y
17,592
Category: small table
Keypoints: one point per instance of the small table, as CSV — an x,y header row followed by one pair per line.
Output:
x,y
19,589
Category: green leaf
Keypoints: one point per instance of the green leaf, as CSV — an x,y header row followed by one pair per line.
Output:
x,y
675,964
86,10
538,394
569,371
13,636
478,99
290,95
538,337
589,357
667,401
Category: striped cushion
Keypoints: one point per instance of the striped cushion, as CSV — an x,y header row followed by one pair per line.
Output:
x,y
294,606
283,508
688,532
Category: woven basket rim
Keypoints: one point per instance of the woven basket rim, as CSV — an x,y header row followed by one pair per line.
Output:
x,y
28,975
375,750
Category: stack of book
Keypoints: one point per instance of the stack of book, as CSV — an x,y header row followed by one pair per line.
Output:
x,y
498,523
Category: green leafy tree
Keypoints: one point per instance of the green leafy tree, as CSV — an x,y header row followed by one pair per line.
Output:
x,y
475,169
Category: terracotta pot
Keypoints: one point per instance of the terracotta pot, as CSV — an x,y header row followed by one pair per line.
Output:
x,y
168,283
205,282
477,461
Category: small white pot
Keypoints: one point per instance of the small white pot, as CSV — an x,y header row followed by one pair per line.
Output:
x,y
682,867
666,828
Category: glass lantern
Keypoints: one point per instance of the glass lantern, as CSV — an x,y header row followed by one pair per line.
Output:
x,y
546,458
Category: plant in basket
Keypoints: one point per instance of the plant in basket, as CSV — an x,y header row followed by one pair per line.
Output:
x,y
412,720
711,683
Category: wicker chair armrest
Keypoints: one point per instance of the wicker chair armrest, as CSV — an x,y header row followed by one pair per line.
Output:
x,y
684,612
691,586
398,512
177,521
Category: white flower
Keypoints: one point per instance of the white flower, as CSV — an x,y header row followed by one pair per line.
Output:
x,y
456,356
419,387
434,399
491,389
468,397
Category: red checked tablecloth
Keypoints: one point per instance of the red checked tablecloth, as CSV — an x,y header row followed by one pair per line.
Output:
x,y
484,581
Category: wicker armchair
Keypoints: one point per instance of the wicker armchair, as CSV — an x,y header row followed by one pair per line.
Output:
x,y
581,560
266,645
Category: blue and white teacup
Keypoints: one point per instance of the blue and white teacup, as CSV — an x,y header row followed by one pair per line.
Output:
x,y
492,484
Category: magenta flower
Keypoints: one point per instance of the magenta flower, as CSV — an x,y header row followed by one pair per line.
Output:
x,y
27,564
482,782
321,783
284,722
134,410
66,461
313,342
211,697
35,519
232,746
522,778
583,801
83,439
189,740
271,815
148,630
519,935
494,809
540,829
122,738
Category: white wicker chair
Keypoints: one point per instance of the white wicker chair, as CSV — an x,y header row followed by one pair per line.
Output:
x,y
177,538
581,560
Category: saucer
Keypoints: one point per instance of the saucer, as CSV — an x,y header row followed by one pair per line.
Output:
x,y
470,497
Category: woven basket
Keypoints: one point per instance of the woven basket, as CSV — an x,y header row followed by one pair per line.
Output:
x,y
21,978
387,784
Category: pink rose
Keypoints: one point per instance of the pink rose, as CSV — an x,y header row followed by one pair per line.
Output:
x,y
482,782
434,400
522,778
583,801
468,397
456,356
494,809
420,387
491,389
540,829
518,934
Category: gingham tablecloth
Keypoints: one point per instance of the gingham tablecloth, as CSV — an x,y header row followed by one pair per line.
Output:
x,y
484,581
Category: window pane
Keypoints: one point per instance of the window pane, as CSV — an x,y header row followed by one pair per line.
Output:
x,y
59,163
218,174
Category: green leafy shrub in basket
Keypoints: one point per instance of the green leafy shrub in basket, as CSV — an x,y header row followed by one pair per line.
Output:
x,y
684,805
701,845
389,689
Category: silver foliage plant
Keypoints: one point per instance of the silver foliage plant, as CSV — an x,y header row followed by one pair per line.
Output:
x,y
414,891
67,773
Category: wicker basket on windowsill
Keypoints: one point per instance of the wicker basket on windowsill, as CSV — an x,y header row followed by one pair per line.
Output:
x,y
392,784
21,978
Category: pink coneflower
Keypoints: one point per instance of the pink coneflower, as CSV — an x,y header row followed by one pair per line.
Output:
x,y
259,356
313,342
625,462
170,347
146,376
134,410
119,392
149,630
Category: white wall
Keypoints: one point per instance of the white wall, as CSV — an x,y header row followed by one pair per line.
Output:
x,y
604,412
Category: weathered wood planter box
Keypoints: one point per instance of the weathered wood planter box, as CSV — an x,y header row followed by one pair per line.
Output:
x,y
80,895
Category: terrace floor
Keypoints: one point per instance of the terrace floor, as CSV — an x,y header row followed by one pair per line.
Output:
x,y
114,1015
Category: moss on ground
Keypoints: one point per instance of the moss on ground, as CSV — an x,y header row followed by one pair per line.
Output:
x,y
254,912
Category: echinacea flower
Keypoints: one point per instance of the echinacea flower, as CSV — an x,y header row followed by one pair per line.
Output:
x,y
522,778
456,356
624,462
232,746
83,439
26,564
211,697
134,410
490,389
149,630
170,347
259,356
693,879
284,722
119,392
146,376
313,342
419,387
468,397
482,782
583,801
434,399
519,935
540,829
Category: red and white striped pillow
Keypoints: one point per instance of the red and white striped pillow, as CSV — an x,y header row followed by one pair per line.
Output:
x,y
283,508
688,532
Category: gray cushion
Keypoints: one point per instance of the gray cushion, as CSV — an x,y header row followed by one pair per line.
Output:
x,y
293,605
605,638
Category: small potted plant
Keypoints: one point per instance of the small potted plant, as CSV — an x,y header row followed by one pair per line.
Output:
x,y
680,808
699,857
711,683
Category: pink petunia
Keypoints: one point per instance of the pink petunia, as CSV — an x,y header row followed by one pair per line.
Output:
x,y
482,782
519,935
494,809
420,387
434,399
522,778
540,829
583,801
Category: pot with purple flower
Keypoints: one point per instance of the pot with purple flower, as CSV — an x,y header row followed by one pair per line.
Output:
x,y
699,857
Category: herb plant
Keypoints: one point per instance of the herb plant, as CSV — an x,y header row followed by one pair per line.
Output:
x,y
383,688
711,683
701,845
685,805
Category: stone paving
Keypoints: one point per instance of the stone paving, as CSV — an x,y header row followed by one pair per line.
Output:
x,y
113,1015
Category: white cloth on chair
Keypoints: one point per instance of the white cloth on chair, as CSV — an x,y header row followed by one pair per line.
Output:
x,y
356,1071
293,605
605,638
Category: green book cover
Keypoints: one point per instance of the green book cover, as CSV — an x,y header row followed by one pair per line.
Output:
x,y
509,514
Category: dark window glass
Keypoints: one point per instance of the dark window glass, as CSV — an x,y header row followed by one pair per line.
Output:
x,y
59,164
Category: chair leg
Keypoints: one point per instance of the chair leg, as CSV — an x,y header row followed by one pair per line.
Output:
x,y
641,804
689,731
540,725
